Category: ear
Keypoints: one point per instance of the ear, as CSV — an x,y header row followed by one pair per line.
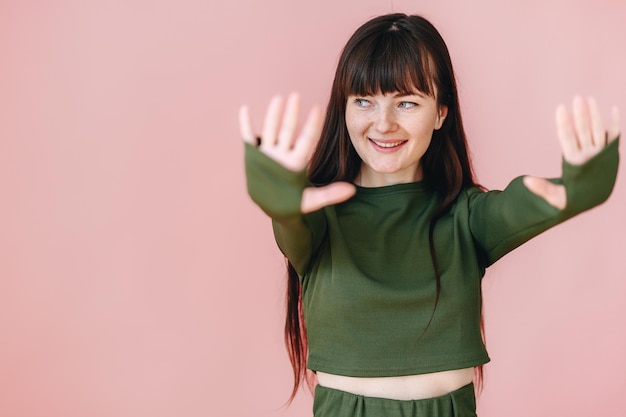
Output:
x,y
441,116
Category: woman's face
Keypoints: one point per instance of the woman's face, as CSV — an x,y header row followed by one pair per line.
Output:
x,y
391,133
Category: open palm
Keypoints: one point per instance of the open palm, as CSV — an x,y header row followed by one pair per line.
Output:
x,y
281,142
581,137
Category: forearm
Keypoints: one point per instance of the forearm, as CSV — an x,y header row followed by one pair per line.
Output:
x,y
278,192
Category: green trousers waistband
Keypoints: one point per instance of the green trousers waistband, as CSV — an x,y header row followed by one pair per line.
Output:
x,y
330,402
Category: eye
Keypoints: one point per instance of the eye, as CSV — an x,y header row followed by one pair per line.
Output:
x,y
361,102
407,105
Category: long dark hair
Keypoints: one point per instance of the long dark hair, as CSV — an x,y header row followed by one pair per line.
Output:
x,y
388,54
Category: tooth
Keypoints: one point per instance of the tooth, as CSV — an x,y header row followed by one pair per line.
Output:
x,y
388,145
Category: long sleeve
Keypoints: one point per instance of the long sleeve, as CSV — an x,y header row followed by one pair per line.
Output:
x,y
500,221
278,192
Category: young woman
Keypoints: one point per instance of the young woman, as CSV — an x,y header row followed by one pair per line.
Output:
x,y
386,232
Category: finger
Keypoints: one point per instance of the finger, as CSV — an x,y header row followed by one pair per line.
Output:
x,y
287,133
614,130
245,127
597,126
581,122
566,135
310,133
315,198
272,122
554,194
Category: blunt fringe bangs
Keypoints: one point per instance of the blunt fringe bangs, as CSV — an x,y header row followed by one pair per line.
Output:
x,y
389,62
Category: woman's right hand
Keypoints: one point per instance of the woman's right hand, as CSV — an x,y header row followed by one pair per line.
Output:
x,y
281,142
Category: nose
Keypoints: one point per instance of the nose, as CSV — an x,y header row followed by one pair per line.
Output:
x,y
385,120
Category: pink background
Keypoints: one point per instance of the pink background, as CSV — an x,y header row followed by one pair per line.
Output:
x,y
136,277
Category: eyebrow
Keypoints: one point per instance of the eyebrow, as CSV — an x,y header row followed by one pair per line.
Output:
x,y
416,93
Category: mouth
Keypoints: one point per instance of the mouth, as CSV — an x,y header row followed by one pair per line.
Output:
x,y
387,144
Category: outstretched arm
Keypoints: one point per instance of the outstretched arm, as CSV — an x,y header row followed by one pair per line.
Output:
x,y
581,138
277,183
500,221
281,142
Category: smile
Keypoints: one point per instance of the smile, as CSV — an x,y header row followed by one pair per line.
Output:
x,y
393,144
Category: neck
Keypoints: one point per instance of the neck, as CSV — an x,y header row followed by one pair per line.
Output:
x,y
369,178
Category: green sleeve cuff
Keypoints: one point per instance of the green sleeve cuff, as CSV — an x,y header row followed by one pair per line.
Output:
x,y
274,188
591,183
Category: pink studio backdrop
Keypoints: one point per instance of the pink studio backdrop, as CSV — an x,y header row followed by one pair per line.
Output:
x,y
136,277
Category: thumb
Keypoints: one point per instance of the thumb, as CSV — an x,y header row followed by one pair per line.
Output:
x,y
554,194
314,198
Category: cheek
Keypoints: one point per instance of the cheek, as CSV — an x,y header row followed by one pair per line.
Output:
x,y
354,125
423,127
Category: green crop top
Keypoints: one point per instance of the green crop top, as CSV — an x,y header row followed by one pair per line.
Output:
x,y
367,277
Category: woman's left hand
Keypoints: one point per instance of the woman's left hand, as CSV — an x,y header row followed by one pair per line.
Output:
x,y
581,139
